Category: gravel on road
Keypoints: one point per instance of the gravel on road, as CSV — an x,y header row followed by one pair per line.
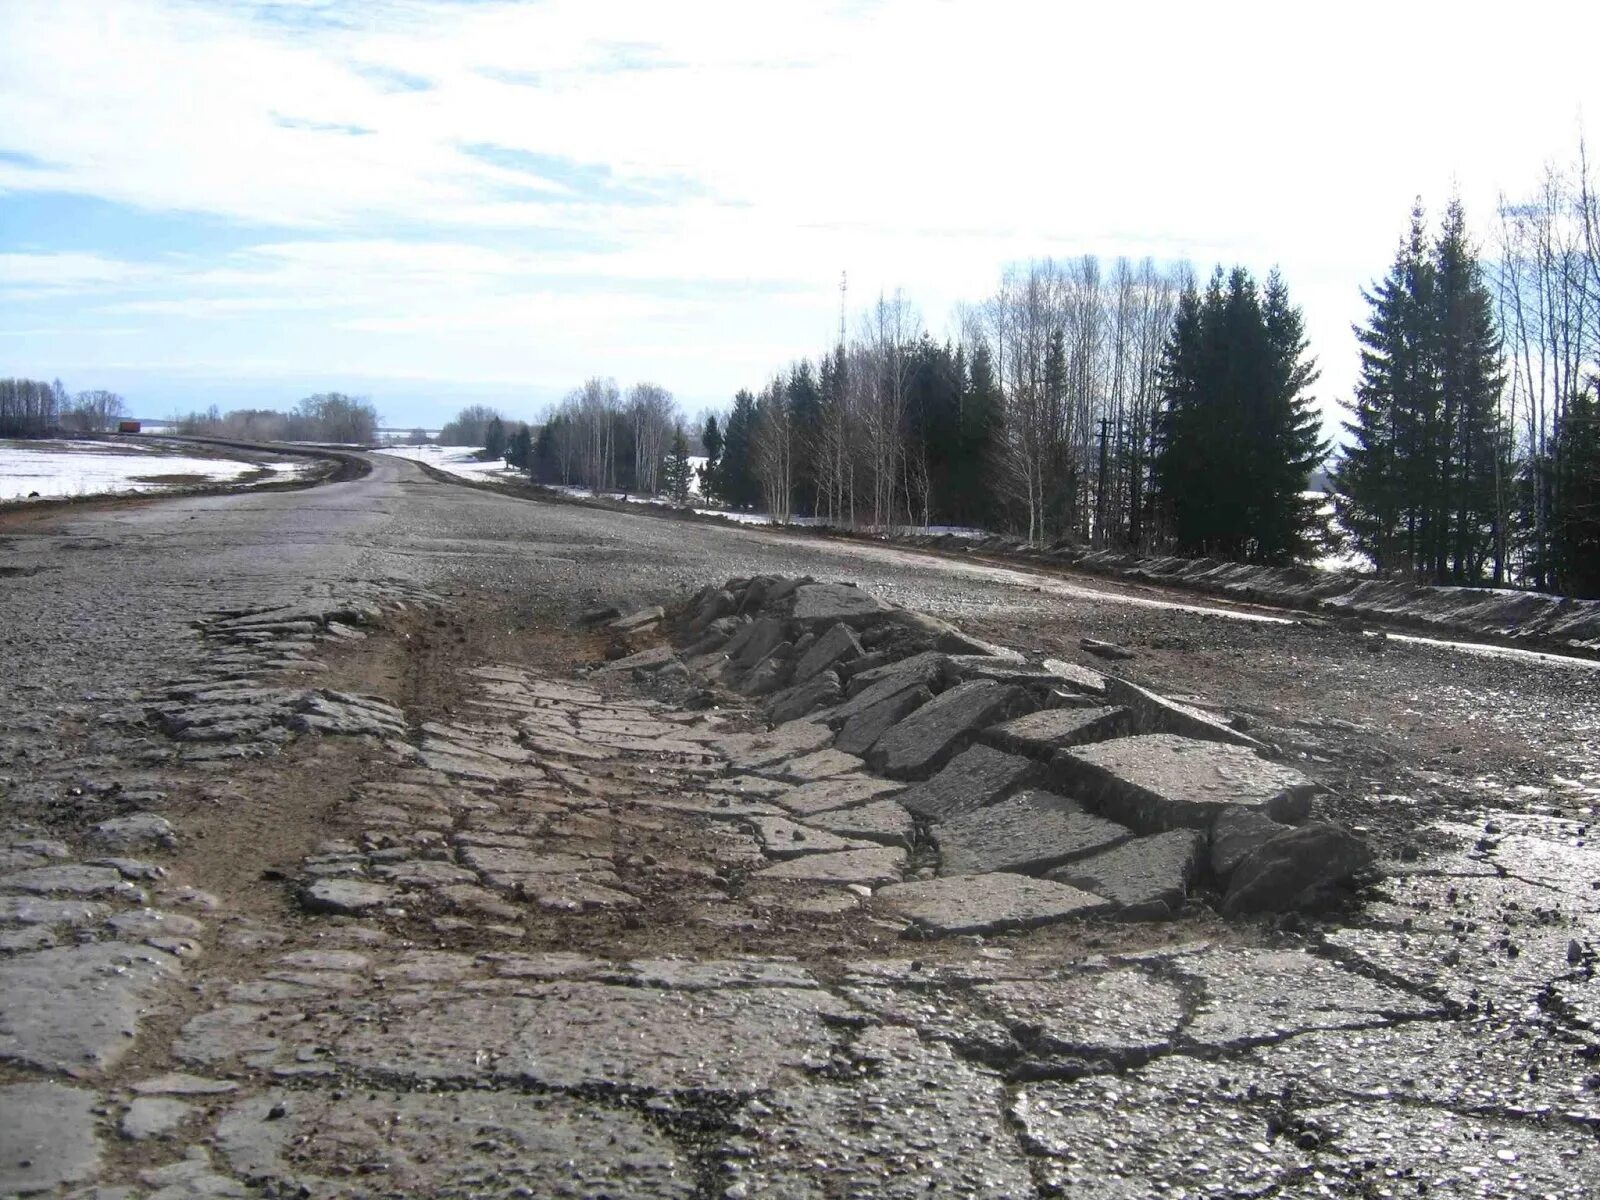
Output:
x,y
329,862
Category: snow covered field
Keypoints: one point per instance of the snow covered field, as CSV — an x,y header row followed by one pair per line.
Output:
x,y
455,460
85,468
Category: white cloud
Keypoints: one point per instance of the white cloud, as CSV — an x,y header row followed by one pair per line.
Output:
x,y
67,271
637,146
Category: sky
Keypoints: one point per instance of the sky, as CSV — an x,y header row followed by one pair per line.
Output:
x,y
442,202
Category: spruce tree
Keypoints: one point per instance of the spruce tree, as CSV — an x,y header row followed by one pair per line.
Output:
x,y
1369,491
1290,524
1182,431
1470,380
980,441
738,483
1061,501
546,463
1238,430
494,439
675,471
710,477
805,411
519,449
1577,517
1418,488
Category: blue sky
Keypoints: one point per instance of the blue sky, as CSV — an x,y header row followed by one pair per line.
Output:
x,y
439,203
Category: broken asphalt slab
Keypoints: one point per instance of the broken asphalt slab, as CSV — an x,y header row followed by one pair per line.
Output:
x,y
1159,781
969,904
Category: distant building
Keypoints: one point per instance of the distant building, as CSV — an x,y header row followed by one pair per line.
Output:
x,y
127,427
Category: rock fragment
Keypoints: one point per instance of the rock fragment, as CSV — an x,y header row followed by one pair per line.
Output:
x,y
827,604
1235,833
636,621
1296,870
837,645
819,691
882,821
869,724
137,831
150,1117
1158,714
870,868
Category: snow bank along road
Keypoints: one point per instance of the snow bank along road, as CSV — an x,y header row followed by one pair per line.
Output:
x,y
322,866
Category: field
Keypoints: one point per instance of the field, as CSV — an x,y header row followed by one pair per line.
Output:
x,y
63,468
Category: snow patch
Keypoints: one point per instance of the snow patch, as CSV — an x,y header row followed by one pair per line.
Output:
x,y
83,468
455,460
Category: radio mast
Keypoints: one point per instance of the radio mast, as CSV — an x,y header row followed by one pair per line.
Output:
x,y
844,287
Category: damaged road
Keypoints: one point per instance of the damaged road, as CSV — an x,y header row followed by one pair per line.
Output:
x,y
342,857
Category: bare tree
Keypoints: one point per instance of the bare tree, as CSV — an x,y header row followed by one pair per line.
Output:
x,y
880,386
30,407
1548,289
94,412
836,446
652,413
774,449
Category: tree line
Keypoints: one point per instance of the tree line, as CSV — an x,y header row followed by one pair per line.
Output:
x,y
597,438
1114,408
325,417
1131,408
1475,436
30,408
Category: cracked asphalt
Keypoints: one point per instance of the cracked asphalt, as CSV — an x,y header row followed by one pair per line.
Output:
x,y
329,869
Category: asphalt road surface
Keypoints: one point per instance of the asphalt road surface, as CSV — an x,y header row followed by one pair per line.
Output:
x,y
330,870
